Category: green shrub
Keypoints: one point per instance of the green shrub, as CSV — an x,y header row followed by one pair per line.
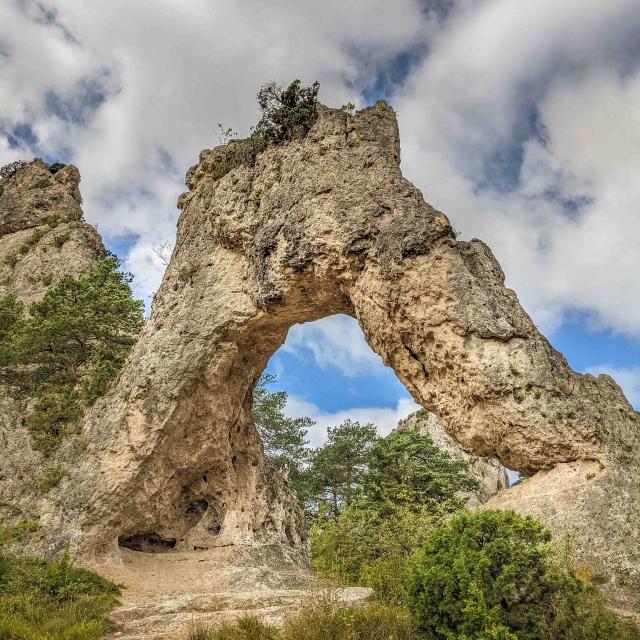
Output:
x,y
60,239
285,113
36,236
54,167
320,621
54,600
368,545
247,627
493,574
50,478
69,348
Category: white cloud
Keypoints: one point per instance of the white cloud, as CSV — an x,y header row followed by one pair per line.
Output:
x,y
132,91
336,341
385,418
161,75
627,377
494,67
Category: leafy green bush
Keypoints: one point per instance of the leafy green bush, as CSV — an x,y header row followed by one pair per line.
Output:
x,y
54,600
492,574
406,486
320,621
285,113
246,627
69,347
50,478
368,545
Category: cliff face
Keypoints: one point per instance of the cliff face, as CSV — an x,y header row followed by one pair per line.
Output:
x,y
42,233
318,226
490,474
42,238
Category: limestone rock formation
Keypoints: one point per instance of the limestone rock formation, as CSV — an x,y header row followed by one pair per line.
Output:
x,y
42,232
42,238
490,474
323,225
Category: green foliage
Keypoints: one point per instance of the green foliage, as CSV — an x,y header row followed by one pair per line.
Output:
x,y
54,600
408,468
492,574
283,437
54,167
67,350
50,478
61,239
368,545
246,627
286,112
407,486
239,152
36,236
11,312
320,621
338,467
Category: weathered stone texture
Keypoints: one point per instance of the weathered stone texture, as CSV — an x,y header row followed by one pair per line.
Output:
x,y
319,226
42,232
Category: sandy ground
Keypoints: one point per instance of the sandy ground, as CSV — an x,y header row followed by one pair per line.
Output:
x,y
165,594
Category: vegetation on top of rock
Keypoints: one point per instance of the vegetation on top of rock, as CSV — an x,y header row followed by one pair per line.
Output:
x,y
52,600
12,168
54,167
68,348
286,113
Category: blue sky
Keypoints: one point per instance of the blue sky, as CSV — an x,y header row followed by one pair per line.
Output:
x,y
518,120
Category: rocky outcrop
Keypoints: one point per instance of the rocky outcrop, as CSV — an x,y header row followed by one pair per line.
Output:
x,y
43,237
325,225
490,474
42,232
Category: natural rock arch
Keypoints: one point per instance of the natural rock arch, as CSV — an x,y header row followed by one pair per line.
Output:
x,y
324,225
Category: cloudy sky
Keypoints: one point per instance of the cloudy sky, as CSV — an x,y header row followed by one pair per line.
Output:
x,y
520,120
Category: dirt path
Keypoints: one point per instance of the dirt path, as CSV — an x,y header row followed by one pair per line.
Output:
x,y
166,593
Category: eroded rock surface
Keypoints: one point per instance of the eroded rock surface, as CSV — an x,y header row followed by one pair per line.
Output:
x,y
325,225
42,232
43,237
490,474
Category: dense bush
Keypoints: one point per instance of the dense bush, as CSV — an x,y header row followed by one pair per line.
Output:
x,y
64,353
405,487
493,575
53,600
285,113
